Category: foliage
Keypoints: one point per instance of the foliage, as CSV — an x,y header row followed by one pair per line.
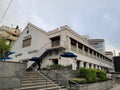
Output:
x,y
4,48
92,75
88,73
102,75
78,80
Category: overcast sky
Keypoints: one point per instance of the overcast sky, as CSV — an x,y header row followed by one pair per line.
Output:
x,y
96,18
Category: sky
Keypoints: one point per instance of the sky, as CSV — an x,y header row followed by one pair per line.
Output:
x,y
96,18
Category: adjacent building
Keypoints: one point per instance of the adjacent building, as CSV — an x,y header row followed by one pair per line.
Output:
x,y
116,60
10,34
109,53
97,44
35,42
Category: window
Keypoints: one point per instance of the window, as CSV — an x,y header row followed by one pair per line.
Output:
x,y
15,31
55,61
27,31
26,42
20,54
73,42
56,52
55,41
80,45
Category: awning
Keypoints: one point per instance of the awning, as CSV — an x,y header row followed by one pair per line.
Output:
x,y
68,55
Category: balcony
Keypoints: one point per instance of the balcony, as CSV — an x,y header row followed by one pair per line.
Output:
x,y
56,43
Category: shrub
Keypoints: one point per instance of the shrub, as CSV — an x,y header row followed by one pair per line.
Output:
x,y
102,75
88,74
78,80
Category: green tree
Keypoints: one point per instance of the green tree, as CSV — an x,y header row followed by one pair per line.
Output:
x,y
4,48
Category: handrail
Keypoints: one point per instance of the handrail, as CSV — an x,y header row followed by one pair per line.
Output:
x,y
65,78
46,79
38,52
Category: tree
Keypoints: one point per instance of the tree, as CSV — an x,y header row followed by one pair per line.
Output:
x,y
4,48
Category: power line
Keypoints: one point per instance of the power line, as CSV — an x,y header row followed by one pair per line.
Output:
x,y
5,11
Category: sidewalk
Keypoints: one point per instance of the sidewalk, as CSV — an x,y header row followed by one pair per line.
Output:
x,y
116,87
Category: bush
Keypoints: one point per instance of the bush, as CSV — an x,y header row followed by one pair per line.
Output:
x,y
78,80
102,75
88,73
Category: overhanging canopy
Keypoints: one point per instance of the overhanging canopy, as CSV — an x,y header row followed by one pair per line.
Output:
x,y
68,55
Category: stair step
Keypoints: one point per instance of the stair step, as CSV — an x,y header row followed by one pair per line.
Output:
x,y
26,79
37,87
36,81
29,81
52,88
31,84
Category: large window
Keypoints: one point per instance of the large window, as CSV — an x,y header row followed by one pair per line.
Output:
x,y
26,42
55,41
55,61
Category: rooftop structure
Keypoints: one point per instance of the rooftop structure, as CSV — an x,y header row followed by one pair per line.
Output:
x,y
98,44
109,53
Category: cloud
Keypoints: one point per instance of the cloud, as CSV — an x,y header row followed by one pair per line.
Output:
x,y
97,18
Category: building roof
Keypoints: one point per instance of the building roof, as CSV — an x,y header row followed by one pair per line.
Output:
x,y
96,40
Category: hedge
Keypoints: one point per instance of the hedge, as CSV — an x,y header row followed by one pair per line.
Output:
x,y
92,75
88,73
102,75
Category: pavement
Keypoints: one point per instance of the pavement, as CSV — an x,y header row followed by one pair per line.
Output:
x,y
115,87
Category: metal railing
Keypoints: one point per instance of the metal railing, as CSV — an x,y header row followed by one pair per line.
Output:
x,y
61,79
46,78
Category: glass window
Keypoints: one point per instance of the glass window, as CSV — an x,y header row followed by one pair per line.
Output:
x,y
26,42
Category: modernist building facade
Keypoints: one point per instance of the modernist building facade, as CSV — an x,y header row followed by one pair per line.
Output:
x,y
35,42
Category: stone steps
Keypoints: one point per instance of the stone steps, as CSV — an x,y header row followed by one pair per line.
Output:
x,y
36,81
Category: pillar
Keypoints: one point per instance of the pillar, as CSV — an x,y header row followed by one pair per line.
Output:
x,y
81,64
87,65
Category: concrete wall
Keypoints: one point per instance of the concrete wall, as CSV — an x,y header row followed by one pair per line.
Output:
x,y
93,86
69,74
10,75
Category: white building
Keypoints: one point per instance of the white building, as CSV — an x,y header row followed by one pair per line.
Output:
x,y
35,42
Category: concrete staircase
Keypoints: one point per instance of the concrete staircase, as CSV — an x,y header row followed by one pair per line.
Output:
x,y
36,81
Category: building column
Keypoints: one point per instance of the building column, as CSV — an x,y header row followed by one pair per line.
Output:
x,y
99,67
77,47
81,64
88,52
69,43
92,66
83,50
87,65
96,66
